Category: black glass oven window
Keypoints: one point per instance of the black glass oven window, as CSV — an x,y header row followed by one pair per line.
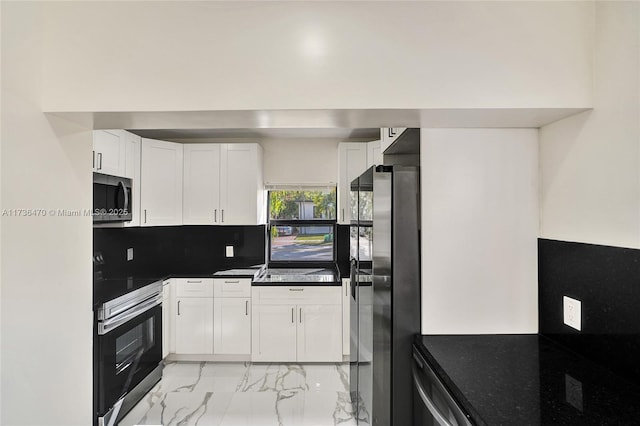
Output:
x,y
133,344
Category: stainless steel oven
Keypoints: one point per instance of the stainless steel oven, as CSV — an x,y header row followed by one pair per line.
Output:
x,y
433,405
127,351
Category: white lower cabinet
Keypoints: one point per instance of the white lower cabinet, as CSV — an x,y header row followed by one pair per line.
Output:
x,y
346,316
274,333
194,325
319,333
232,326
167,333
308,329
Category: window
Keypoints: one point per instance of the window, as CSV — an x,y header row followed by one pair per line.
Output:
x,y
302,224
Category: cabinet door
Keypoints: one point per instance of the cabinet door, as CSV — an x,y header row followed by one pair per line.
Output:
x,y
273,333
346,315
109,152
194,325
353,161
166,319
319,337
133,144
201,184
241,186
374,154
232,325
161,186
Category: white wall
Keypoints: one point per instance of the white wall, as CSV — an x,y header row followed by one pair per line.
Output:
x,y
46,266
479,231
189,56
590,163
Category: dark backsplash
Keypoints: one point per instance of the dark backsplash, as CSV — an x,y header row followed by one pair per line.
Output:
x,y
607,282
172,250
342,250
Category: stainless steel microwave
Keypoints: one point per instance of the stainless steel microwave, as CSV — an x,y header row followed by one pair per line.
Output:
x,y
112,200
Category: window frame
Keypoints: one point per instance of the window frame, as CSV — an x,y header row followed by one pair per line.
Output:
x,y
300,222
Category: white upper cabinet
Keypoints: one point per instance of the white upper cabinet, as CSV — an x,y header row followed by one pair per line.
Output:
x,y
241,185
201,194
388,135
223,184
109,148
133,147
353,161
374,154
161,183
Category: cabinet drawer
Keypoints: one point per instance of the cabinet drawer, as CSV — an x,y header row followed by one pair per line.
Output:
x,y
194,287
232,287
299,295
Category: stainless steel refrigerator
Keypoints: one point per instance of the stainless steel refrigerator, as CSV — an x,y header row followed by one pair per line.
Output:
x,y
385,293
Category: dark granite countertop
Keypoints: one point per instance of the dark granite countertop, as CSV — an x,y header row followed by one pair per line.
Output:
x,y
238,273
529,380
105,289
298,277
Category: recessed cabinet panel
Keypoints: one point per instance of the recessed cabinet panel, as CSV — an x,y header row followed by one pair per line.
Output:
x,y
201,184
161,188
232,325
132,170
374,154
194,325
109,152
194,287
232,287
273,333
319,337
241,186
353,161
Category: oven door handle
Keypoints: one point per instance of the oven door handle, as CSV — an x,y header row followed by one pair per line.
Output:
x,y
438,417
106,326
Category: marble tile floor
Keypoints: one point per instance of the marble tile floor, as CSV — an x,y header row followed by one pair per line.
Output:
x,y
246,394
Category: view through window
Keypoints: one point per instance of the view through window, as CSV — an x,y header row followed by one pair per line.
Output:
x,y
302,224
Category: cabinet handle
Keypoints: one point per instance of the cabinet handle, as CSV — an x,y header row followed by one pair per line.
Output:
x,y
300,315
194,282
292,314
94,159
222,215
178,307
232,282
99,161
343,215
246,307
215,216
145,215
296,289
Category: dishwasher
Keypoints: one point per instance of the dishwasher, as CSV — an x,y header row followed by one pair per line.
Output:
x,y
433,405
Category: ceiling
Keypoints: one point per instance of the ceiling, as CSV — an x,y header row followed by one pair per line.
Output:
x,y
291,133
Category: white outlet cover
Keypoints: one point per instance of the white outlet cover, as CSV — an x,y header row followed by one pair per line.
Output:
x,y
572,311
130,253
229,251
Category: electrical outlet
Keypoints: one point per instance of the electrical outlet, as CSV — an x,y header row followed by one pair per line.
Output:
x,y
129,254
572,310
229,251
